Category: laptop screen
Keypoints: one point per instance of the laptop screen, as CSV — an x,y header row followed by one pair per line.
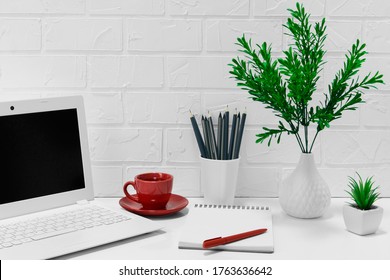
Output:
x,y
40,154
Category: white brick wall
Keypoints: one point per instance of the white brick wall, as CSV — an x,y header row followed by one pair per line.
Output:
x,y
146,107
117,71
164,35
20,34
279,8
126,7
42,7
141,65
125,144
82,34
43,71
222,34
208,8
200,72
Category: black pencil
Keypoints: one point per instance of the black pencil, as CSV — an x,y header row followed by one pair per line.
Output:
x,y
232,135
242,126
224,137
212,134
219,136
206,140
213,153
227,134
236,134
198,136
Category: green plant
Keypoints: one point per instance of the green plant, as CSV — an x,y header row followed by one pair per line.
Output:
x,y
362,193
286,85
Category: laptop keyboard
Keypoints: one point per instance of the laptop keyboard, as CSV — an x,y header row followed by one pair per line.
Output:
x,y
57,224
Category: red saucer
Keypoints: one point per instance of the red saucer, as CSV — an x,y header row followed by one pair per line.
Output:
x,y
175,204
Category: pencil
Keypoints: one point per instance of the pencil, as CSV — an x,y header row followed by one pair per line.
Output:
x,y
223,137
198,136
232,135
236,134
213,153
219,136
238,146
206,140
227,133
212,134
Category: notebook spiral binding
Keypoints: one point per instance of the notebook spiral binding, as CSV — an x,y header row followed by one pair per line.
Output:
x,y
231,207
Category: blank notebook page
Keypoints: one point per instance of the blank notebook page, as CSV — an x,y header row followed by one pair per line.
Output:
x,y
207,221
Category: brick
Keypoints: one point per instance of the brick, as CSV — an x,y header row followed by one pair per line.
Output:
x,y
100,107
376,36
222,34
181,146
164,35
337,180
200,72
126,71
133,145
42,71
257,182
342,35
356,147
186,180
344,8
205,7
107,181
42,7
279,7
161,107
287,151
104,108
83,34
376,111
20,34
126,7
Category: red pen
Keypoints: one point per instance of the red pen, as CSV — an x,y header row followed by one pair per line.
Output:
x,y
232,238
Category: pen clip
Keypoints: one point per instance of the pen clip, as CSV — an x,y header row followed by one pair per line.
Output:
x,y
211,242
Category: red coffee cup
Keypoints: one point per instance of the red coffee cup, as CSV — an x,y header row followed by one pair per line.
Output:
x,y
153,190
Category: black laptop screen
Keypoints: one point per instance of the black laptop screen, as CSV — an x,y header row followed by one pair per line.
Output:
x,y
40,154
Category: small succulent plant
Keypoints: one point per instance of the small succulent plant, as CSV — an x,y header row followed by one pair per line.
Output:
x,y
362,192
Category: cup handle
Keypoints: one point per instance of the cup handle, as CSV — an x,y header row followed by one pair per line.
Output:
x,y
129,196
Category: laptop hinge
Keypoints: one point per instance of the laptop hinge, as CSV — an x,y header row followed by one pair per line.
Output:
x,y
82,202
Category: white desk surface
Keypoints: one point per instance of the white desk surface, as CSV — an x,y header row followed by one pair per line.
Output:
x,y
319,239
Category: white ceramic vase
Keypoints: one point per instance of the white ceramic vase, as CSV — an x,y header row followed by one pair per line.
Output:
x,y
304,194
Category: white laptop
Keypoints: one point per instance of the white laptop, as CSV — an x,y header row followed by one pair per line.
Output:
x,y
46,195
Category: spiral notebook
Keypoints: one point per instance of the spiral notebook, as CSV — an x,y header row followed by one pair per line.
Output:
x,y
206,221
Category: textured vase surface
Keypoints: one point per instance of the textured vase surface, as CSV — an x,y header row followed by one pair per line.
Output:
x,y
304,193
